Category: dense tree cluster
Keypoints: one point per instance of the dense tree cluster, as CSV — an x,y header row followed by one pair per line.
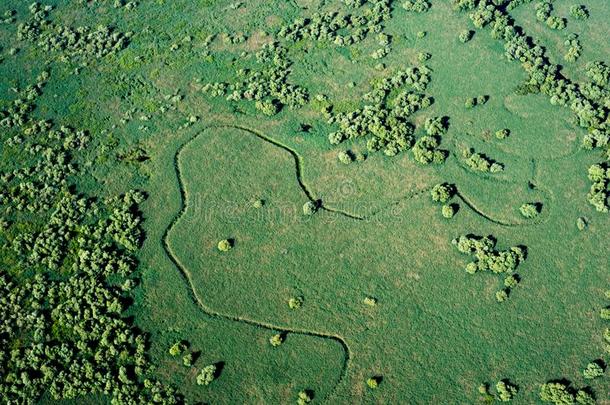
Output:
x,y
384,119
543,14
488,258
16,114
442,193
481,162
65,275
561,393
598,72
426,149
329,26
268,87
599,194
70,42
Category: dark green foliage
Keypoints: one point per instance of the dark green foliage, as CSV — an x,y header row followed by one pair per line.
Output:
x,y
63,328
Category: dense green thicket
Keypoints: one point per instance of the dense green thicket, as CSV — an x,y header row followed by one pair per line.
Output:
x,y
488,258
67,41
268,86
384,120
67,267
342,29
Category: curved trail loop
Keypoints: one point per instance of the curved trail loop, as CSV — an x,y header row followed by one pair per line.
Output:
x,y
185,274
196,298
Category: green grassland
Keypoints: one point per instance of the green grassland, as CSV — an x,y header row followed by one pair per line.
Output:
x,y
384,291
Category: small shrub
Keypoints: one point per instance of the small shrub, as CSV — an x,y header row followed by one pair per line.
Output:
x,y
304,397
501,295
511,281
225,245
187,359
593,370
310,208
502,133
345,157
295,302
530,210
465,36
373,382
177,348
581,223
506,390
448,211
370,301
276,340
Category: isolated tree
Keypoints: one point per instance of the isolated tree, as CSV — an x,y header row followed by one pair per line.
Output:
x,y
225,245
276,340
304,397
207,375
448,210
593,370
530,210
310,208
177,348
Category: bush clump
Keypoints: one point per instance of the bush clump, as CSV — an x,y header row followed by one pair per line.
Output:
x,y
207,375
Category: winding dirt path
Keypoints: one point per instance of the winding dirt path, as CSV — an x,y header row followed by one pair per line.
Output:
x,y
186,275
